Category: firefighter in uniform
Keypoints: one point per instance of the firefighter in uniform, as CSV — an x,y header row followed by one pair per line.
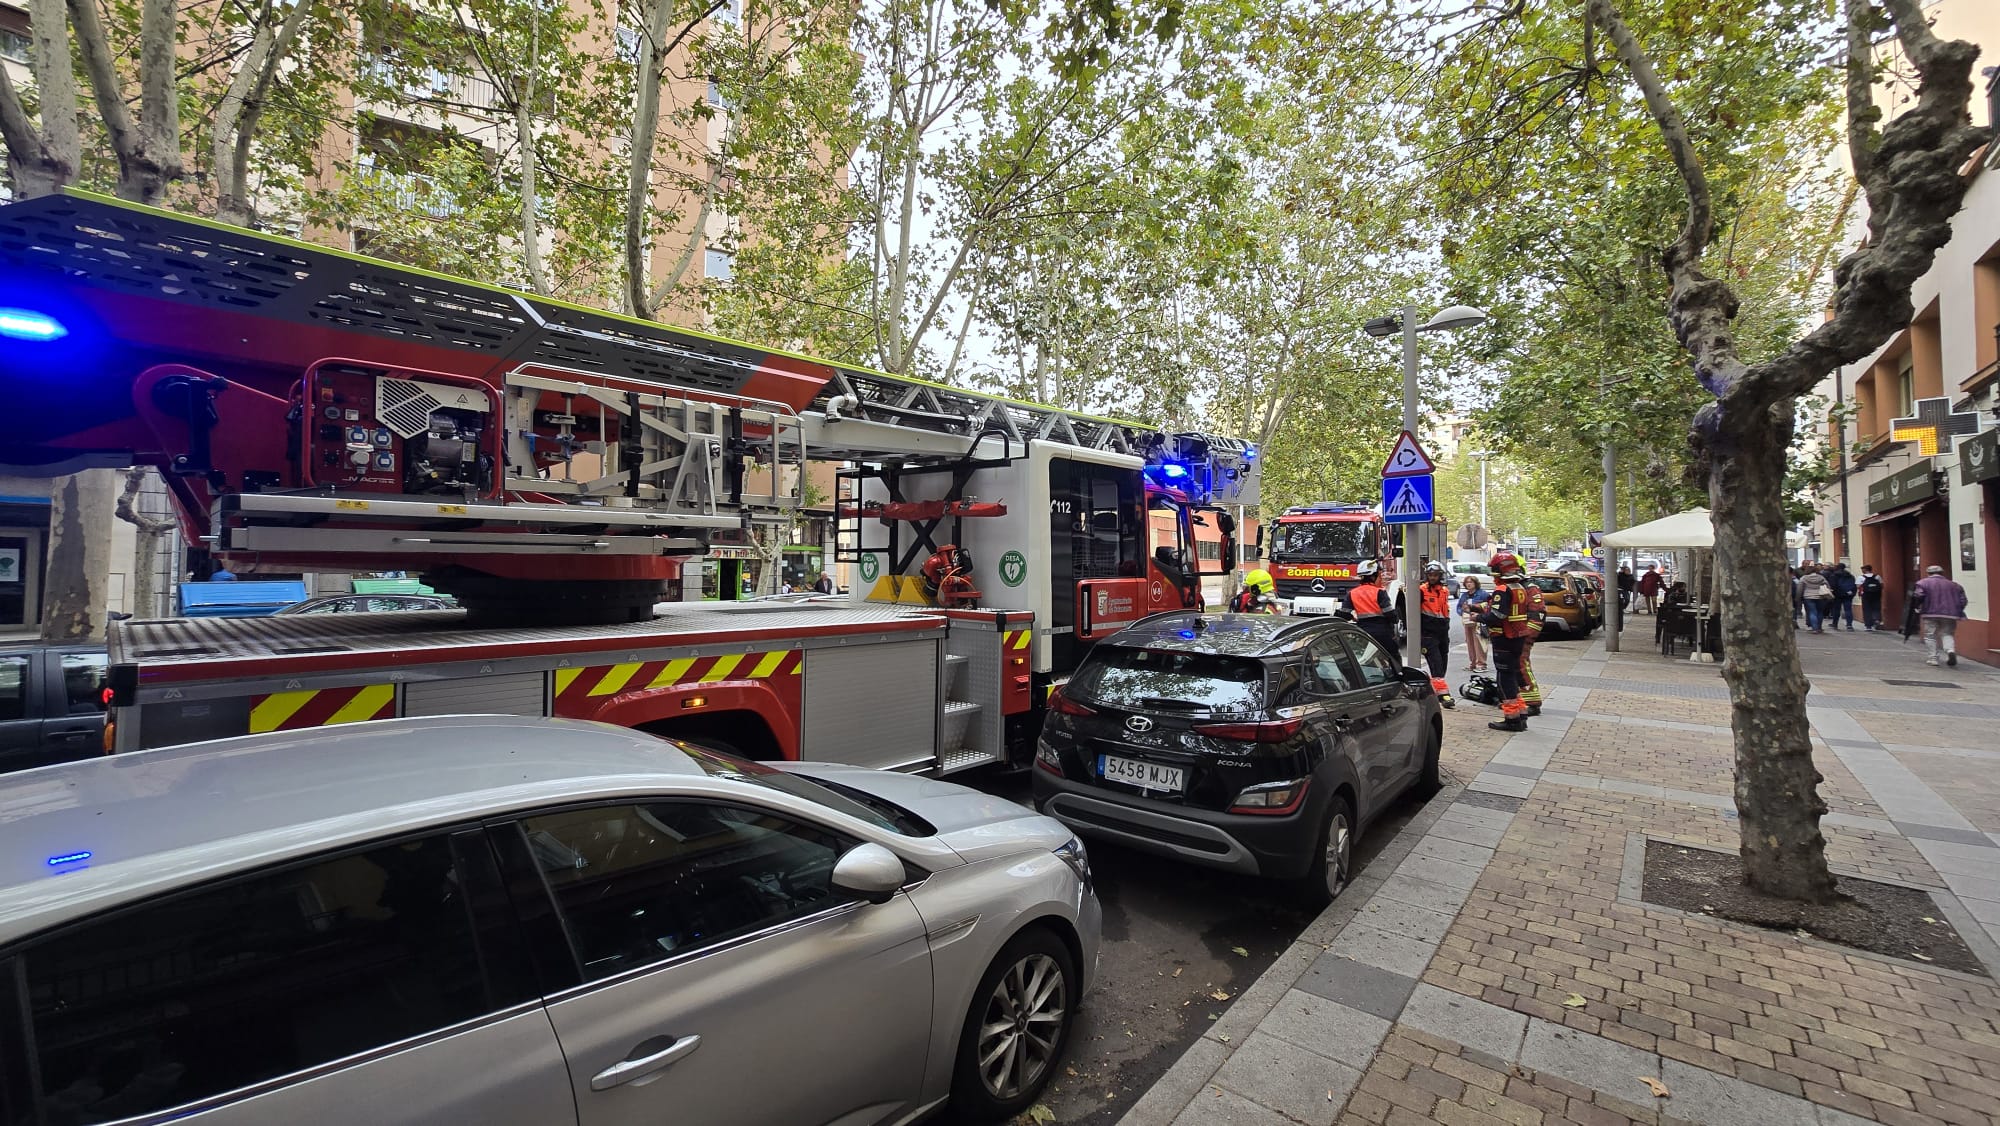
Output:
x,y
1436,597
1512,619
1372,610
1255,597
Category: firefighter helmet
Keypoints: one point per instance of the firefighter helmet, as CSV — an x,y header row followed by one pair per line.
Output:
x,y
1368,569
1503,562
1259,580
1434,568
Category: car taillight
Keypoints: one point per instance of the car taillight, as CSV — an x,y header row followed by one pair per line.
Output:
x,y
1269,731
1047,759
1272,798
1063,705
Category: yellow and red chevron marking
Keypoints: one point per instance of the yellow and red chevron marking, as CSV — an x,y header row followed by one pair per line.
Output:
x,y
635,676
290,711
1016,639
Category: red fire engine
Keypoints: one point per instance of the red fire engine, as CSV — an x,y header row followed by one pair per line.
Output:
x,y
1315,549
553,466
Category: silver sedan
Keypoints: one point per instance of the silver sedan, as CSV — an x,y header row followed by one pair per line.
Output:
x,y
499,920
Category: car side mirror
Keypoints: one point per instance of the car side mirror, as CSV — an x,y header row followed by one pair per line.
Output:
x,y
871,872
1415,676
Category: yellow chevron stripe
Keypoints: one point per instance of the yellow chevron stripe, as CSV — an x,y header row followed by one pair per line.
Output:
x,y
365,704
565,678
615,679
723,667
769,664
276,708
1021,642
672,674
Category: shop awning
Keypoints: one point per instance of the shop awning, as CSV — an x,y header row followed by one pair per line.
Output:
x,y
1898,513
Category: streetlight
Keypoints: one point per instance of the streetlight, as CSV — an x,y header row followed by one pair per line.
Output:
x,y
1482,455
1455,317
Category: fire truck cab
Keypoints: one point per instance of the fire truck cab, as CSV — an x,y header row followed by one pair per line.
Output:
x,y
1315,551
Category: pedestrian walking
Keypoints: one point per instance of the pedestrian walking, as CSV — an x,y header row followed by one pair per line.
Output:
x,y
1625,585
1869,585
1513,617
823,584
1649,589
1943,607
1472,599
1818,595
1798,601
1842,581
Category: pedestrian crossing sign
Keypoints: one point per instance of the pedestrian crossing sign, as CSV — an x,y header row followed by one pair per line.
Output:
x,y
1407,500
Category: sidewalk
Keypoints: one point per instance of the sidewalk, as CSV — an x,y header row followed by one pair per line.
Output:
x,y
1493,965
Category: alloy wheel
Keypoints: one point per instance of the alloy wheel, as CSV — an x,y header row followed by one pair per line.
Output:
x,y
1022,1026
1339,853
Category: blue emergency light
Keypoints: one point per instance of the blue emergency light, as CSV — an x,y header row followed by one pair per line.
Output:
x,y
26,324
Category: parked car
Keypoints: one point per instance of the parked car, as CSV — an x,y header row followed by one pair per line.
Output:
x,y
51,703
1480,572
1593,590
501,920
1567,599
1253,743
369,604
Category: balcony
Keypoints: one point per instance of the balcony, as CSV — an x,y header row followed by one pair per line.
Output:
x,y
461,92
405,191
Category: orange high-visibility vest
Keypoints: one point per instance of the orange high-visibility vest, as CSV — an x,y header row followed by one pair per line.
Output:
x,y
1365,600
1437,600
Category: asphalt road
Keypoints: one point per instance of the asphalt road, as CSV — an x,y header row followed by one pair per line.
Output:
x,y
1180,943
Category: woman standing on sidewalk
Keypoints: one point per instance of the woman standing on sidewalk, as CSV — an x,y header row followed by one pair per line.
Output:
x,y
1471,602
1817,594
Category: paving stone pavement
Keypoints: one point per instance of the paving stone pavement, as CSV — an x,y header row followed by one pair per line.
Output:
x,y
1494,964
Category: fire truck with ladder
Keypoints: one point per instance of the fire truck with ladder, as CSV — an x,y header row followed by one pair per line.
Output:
x,y
553,467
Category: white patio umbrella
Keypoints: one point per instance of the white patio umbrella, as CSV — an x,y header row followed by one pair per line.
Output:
x,y
1691,531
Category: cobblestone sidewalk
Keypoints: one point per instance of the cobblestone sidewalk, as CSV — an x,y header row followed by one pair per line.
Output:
x,y
1494,965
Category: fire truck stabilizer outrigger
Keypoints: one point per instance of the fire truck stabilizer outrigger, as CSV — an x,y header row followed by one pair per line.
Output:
x,y
553,467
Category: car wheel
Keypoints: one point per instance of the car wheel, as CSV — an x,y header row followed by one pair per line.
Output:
x,y
1431,780
1333,857
1014,1034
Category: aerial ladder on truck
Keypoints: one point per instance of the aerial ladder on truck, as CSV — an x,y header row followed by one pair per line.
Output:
x,y
553,466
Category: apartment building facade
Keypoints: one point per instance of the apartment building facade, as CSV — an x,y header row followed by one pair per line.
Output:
x,y
1915,436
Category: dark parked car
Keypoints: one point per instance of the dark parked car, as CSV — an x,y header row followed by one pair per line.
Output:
x,y
1253,743
369,604
51,703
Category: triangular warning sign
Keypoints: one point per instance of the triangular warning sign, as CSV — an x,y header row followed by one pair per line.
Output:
x,y
1407,459
1408,502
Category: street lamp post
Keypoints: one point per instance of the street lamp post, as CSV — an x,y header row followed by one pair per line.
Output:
x,y
1482,455
1455,317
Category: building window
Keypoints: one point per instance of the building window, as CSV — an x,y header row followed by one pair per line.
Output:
x,y
718,265
15,46
1906,385
628,44
715,97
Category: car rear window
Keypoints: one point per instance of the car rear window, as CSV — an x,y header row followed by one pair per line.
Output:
x,y
1550,584
1166,679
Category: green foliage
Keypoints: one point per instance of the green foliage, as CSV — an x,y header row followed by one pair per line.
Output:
x,y
1565,199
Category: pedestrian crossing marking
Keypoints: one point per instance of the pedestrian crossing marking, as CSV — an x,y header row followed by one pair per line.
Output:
x,y
1408,503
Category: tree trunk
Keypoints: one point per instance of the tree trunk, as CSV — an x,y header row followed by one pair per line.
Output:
x,y
146,550
40,160
1777,799
240,107
73,594
639,174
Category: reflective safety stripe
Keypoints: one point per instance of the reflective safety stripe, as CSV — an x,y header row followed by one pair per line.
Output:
x,y
629,676
272,711
293,711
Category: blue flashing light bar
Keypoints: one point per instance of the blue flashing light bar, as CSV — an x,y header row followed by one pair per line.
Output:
x,y
26,324
68,858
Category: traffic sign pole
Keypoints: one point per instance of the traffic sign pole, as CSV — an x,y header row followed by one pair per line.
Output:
x,y
1413,599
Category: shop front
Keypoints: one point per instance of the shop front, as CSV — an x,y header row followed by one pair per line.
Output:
x,y
1907,528
1979,473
